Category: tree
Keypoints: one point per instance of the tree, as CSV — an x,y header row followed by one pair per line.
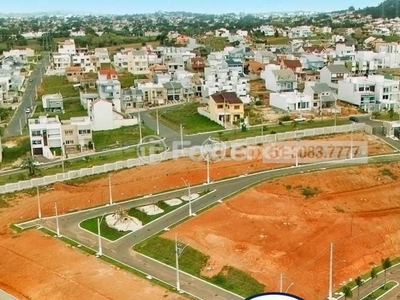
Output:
x,y
386,264
391,113
374,275
351,8
348,293
359,283
376,114
276,34
30,164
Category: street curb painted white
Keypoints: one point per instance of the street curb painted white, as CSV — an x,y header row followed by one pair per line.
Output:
x,y
148,224
384,294
122,263
190,275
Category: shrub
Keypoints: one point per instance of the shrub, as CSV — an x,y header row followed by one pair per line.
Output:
x,y
285,118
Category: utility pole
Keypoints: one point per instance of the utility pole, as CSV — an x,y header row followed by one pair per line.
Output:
x,y
208,168
110,189
140,128
330,272
158,125
38,201
57,224
351,141
100,253
181,129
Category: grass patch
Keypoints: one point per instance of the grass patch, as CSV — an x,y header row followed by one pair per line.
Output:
x,y
11,154
55,84
388,173
72,108
272,129
215,43
238,282
106,231
193,261
127,79
381,291
187,115
120,137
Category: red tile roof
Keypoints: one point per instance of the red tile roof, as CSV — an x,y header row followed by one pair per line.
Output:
x,y
226,97
314,49
292,63
109,72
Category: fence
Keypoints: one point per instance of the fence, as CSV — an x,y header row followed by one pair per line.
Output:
x,y
154,158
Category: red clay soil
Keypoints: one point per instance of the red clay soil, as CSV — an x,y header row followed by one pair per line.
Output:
x,y
48,269
279,230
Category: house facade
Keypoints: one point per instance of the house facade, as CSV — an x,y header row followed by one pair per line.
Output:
x,y
290,101
77,134
138,64
45,133
321,95
53,102
280,80
332,74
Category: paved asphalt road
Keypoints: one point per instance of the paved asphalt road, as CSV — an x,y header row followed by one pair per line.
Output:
x,y
20,116
122,249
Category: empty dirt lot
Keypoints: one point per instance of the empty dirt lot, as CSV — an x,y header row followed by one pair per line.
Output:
x,y
34,266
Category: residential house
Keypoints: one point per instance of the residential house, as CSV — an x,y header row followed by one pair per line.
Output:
x,y
86,61
387,47
371,93
104,117
61,62
315,50
5,87
182,39
153,93
67,47
300,32
45,133
53,102
222,32
139,63
121,59
197,64
77,134
290,101
219,78
162,77
87,98
235,65
321,94
294,65
224,108
268,30
173,91
74,74
132,98
312,62
280,80
332,74
23,56
253,69
264,56
174,65
109,88
242,32
341,49
102,58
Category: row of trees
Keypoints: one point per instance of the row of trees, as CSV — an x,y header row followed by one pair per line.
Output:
x,y
347,290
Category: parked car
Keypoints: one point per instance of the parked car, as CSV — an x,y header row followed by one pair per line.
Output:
x,y
354,119
27,110
300,119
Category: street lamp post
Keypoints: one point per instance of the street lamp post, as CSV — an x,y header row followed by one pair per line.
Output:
x,y
181,130
57,224
262,127
38,201
187,183
99,220
110,190
178,252
330,273
351,140
140,128
158,125
208,168
297,148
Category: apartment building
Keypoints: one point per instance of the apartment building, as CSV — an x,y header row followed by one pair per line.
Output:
x,y
61,61
370,93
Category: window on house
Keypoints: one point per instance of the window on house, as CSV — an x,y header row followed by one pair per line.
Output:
x,y
386,90
385,97
84,131
361,89
372,88
237,107
36,142
68,132
220,106
69,142
36,133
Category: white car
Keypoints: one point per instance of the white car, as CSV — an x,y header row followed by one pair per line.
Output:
x,y
300,119
27,110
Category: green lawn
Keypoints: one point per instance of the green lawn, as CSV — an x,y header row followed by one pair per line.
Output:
x,y
145,218
127,79
256,131
120,137
72,108
54,84
381,291
106,231
386,117
215,43
11,154
187,115
193,261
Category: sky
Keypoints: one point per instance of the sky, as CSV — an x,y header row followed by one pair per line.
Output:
x,y
200,6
